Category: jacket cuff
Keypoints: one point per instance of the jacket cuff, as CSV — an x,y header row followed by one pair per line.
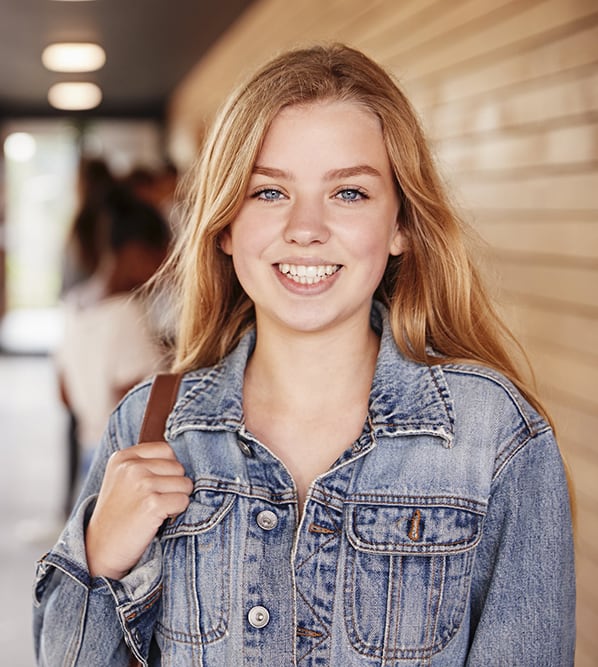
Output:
x,y
134,596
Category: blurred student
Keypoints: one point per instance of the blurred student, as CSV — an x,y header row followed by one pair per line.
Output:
x,y
81,256
86,237
108,343
158,188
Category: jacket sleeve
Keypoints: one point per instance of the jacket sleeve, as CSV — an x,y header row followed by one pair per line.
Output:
x,y
523,588
79,620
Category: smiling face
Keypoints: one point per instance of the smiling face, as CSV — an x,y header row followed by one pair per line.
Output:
x,y
319,220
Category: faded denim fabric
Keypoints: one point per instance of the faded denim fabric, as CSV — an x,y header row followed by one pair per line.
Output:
x,y
441,537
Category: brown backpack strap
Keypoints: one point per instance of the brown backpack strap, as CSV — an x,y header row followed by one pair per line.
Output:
x,y
159,405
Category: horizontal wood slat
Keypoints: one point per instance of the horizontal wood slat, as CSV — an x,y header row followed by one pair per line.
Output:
x,y
530,23
532,151
558,101
571,284
404,34
576,48
588,621
574,333
556,368
562,191
569,240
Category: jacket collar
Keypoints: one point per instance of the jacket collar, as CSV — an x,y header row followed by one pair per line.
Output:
x,y
406,397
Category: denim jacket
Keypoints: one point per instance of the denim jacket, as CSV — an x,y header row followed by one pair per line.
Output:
x,y
441,537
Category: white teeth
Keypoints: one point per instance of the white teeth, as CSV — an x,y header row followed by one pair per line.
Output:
x,y
308,275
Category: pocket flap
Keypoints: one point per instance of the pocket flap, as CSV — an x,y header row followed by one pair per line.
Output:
x,y
412,529
206,510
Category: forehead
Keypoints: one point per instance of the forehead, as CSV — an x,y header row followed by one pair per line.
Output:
x,y
334,110
331,126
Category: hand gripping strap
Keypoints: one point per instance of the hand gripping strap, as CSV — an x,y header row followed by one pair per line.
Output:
x,y
159,405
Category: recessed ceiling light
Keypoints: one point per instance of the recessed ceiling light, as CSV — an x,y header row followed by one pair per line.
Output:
x,y
74,96
73,57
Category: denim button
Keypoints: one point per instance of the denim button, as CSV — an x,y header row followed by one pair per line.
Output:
x,y
267,520
258,617
136,637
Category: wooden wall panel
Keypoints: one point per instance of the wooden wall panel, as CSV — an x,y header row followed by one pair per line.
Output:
x,y
588,622
563,191
537,322
577,421
575,47
562,100
568,239
508,91
557,366
539,149
511,26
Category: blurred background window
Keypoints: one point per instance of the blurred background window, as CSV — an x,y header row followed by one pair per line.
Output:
x,y
40,162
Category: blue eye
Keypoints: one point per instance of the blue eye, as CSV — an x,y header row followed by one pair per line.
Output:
x,y
268,194
351,194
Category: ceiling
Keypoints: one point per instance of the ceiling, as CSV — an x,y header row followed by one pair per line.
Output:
x,y
150,45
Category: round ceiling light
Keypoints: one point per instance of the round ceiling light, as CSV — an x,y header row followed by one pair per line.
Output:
x,y
74,96
73,57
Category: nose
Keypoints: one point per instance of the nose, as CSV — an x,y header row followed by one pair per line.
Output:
x,y
306,223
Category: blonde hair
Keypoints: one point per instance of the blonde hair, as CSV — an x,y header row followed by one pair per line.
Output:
x,y
439,310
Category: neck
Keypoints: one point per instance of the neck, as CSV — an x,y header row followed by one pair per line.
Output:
x,y
316,369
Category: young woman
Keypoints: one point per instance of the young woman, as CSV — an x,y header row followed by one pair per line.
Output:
x,y
355,472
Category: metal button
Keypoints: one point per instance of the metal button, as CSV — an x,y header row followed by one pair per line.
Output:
x,y
244,447
267,520
258,617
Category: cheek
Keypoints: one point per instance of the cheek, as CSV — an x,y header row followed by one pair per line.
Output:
x,y
374,243
249,238
244,242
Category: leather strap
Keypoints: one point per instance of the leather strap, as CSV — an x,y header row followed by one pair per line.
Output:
x,y
159,405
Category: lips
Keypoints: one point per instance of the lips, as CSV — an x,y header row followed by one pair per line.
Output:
x,y
308,274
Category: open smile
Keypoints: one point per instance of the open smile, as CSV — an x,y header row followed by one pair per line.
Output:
x,y
308,275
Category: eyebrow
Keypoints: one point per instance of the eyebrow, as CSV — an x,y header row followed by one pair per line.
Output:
x,y
345,172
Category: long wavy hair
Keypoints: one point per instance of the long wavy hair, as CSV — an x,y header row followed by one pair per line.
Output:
x,y
439,309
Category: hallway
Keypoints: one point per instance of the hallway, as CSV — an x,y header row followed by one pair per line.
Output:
x,y
32,449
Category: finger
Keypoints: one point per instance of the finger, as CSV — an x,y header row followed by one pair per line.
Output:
x,y
162,467
151,450
165,505
167,484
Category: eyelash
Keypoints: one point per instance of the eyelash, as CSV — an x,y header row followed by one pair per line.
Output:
x,y
258,194
361,193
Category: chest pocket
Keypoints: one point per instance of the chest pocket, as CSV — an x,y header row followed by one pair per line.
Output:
x,y
197,554
407,577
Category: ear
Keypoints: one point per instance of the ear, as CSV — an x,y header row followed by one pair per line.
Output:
x,y
225,242
398,242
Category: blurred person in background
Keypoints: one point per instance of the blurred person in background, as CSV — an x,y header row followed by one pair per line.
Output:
x,y
157,187
142,182
167,184
108,343
356,472
86,237
81,256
